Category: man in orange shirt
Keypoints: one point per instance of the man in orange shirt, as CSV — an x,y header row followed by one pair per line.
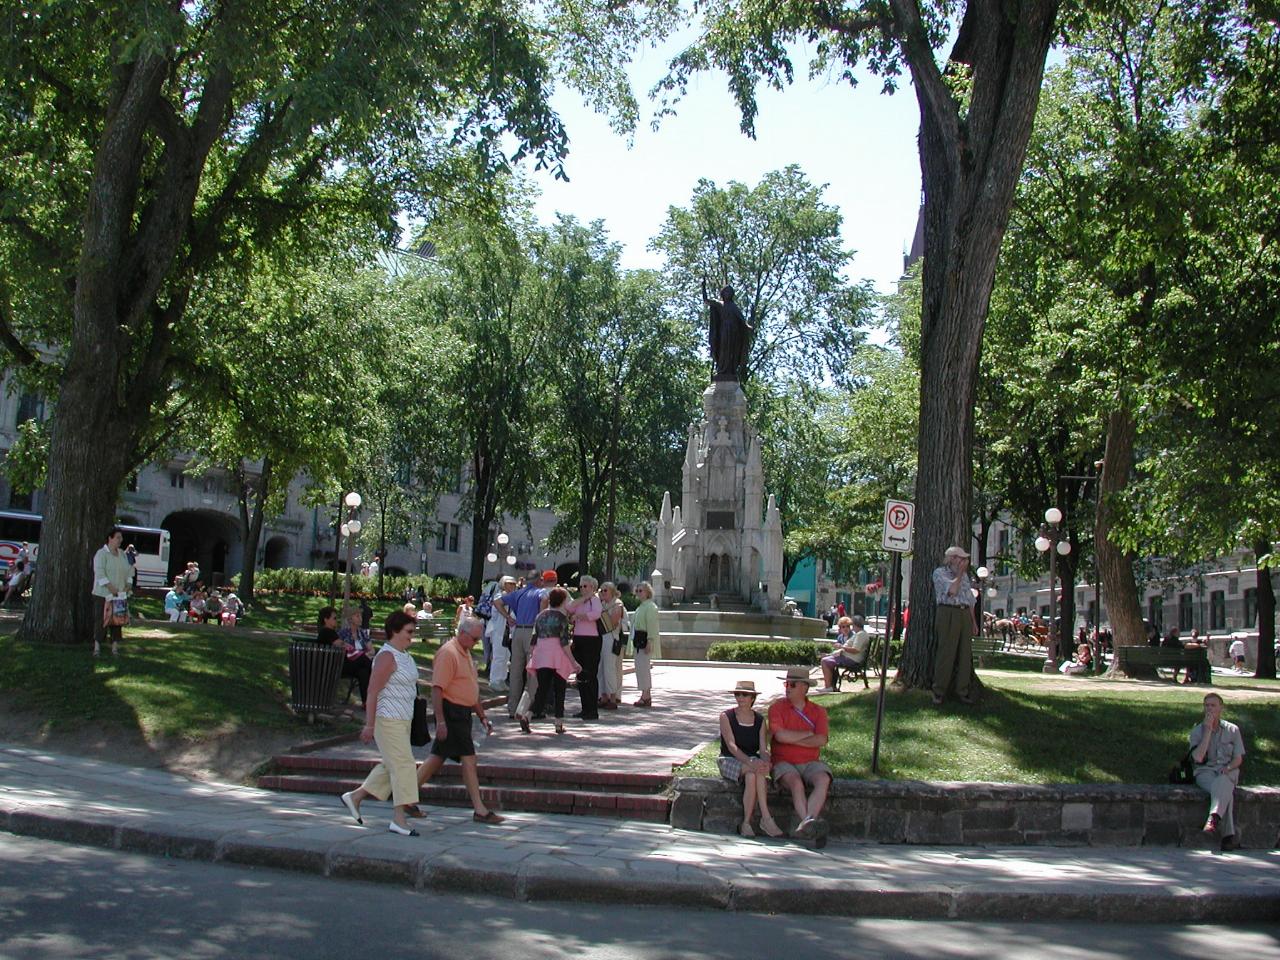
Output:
x,y
455,695
798,728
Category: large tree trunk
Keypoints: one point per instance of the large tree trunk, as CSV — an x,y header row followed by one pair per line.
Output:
x,y
970,166
1115,565
90,454
124,311
1266,668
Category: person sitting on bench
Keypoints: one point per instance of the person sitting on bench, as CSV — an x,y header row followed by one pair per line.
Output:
x,y
851,651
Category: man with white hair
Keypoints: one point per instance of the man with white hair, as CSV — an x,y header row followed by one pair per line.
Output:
x,y
954,625
455,697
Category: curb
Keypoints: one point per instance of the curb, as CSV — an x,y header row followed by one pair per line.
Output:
x,y
544,879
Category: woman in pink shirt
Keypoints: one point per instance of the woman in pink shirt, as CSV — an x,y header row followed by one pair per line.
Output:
x,y
585,613
550,662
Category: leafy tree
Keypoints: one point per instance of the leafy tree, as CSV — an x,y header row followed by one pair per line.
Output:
x,y
282,392
145,145
479,290
976,105
626,385
778,245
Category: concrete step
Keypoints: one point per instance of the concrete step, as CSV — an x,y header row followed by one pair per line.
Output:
x,y
631,796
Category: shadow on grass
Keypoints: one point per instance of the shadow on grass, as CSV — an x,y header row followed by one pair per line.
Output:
x,y
1027,735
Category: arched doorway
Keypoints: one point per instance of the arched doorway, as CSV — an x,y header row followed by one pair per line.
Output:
x,y
277,553
209,538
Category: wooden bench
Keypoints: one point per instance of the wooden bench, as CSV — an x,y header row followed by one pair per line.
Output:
x,y
984,647
1144,661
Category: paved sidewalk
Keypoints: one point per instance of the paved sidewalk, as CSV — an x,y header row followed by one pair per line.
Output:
x,y
687,701
546,857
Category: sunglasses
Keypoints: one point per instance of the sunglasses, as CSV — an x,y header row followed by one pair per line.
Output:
x,y
797,683
740,694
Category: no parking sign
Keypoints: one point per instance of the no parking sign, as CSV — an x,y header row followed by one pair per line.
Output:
x,y
899,516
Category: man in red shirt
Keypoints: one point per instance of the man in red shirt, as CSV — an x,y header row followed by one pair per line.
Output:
x,y
798,728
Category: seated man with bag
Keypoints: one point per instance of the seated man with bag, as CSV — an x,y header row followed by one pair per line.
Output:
x,y
798,729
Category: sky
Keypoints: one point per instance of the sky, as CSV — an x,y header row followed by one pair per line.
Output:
x,y
857,141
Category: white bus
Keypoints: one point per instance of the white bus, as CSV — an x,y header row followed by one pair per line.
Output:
x,y
152,545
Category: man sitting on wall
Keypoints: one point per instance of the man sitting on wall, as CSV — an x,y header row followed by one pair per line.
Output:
x,y
798,728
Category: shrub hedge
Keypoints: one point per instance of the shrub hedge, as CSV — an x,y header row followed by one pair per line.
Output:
x,y
800,652
316,583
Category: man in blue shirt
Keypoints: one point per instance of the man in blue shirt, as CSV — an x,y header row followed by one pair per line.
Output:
x,y
520,608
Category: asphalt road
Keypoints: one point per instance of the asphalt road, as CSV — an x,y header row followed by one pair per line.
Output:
x,y
59,901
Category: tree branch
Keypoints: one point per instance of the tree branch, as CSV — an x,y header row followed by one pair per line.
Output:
x,y
20,351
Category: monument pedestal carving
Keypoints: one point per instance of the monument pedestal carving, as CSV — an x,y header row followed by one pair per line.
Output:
x,y
724,540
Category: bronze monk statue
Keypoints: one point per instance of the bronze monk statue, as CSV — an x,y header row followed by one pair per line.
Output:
x,y
730,336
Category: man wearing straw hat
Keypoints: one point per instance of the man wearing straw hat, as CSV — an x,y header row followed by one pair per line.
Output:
x,y
798,729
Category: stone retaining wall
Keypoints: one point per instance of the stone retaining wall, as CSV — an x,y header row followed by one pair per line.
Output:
x,y
989,814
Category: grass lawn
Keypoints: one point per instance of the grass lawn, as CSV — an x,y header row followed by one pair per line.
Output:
x,y
1033,729
170,681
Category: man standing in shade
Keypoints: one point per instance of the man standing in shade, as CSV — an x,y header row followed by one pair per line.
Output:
x,y
954,625
519,609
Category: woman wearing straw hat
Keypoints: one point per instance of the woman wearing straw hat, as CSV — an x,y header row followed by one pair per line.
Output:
x,y
744,759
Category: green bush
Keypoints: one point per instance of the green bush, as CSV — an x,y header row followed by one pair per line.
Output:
x,y
800,652
316,583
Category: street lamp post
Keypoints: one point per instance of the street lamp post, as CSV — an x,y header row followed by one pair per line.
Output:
x,y
350,529
982,574
1054,545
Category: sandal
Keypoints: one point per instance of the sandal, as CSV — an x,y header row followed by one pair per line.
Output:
x,y
491,818
559,726
643,702
524,724
414,811
770,828
744,829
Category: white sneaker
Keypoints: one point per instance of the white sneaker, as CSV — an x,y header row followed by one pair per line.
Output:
x,y
824,690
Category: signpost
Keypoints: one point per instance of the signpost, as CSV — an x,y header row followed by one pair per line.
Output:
x,y
899,520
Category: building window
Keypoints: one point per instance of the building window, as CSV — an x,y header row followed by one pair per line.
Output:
x,y
1044,611
1003,549
19,501
1155,613
30,407
440,536
1218,610
177,479
1251,608
1233,585
1186,612
131,484
453,538
210,484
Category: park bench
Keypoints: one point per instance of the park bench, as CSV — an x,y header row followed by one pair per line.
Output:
x,y
859,671
1144,661
984,647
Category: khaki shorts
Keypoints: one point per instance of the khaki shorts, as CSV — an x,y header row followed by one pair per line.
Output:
x,y
810,773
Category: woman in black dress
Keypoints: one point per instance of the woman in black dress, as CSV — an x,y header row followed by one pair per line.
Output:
x,y
745,759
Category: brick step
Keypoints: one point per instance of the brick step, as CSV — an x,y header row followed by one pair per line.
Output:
x,y
556,778
595,803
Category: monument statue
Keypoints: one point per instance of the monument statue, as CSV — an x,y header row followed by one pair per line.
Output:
x,y
730,336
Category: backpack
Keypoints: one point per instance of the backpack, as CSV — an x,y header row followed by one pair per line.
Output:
x,y
484,609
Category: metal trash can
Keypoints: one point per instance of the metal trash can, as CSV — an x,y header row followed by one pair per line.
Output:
x,y
314,672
